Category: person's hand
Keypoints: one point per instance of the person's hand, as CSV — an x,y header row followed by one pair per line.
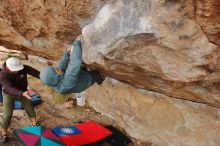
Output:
x,y
25,94
79,37
69,49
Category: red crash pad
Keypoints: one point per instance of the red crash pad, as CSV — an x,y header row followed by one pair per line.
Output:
x,y
90,132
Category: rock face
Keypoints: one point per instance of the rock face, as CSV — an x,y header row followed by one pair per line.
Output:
x,y
171,47
208,17
42,26
155,117
156,45
5,53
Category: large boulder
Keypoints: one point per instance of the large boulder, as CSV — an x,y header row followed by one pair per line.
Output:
x,y
154,117
157,45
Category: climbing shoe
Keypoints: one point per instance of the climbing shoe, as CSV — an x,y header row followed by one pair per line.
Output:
x,y
101,79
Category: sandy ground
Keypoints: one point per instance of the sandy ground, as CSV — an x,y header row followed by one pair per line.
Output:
x,y
52,115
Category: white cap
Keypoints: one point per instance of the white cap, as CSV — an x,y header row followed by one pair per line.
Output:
x,y
14,64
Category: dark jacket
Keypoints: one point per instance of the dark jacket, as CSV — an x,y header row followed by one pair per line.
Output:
x,y
16,84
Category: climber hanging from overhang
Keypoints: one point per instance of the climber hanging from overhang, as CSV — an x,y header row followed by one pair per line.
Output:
x,y
69,77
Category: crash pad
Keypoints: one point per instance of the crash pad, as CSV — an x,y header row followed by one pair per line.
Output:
x,y
90,132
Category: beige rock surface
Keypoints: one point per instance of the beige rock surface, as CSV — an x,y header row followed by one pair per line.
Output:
x,y
154,117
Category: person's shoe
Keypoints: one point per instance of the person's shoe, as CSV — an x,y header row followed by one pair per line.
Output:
x,y
3,139
101,79
84,68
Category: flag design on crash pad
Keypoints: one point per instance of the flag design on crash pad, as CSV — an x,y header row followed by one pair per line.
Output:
x,y
66,131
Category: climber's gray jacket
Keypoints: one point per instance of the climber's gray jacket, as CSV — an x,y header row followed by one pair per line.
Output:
x,y
73,79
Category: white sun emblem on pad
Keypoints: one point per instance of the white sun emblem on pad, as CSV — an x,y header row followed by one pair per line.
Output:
x,y
67,130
